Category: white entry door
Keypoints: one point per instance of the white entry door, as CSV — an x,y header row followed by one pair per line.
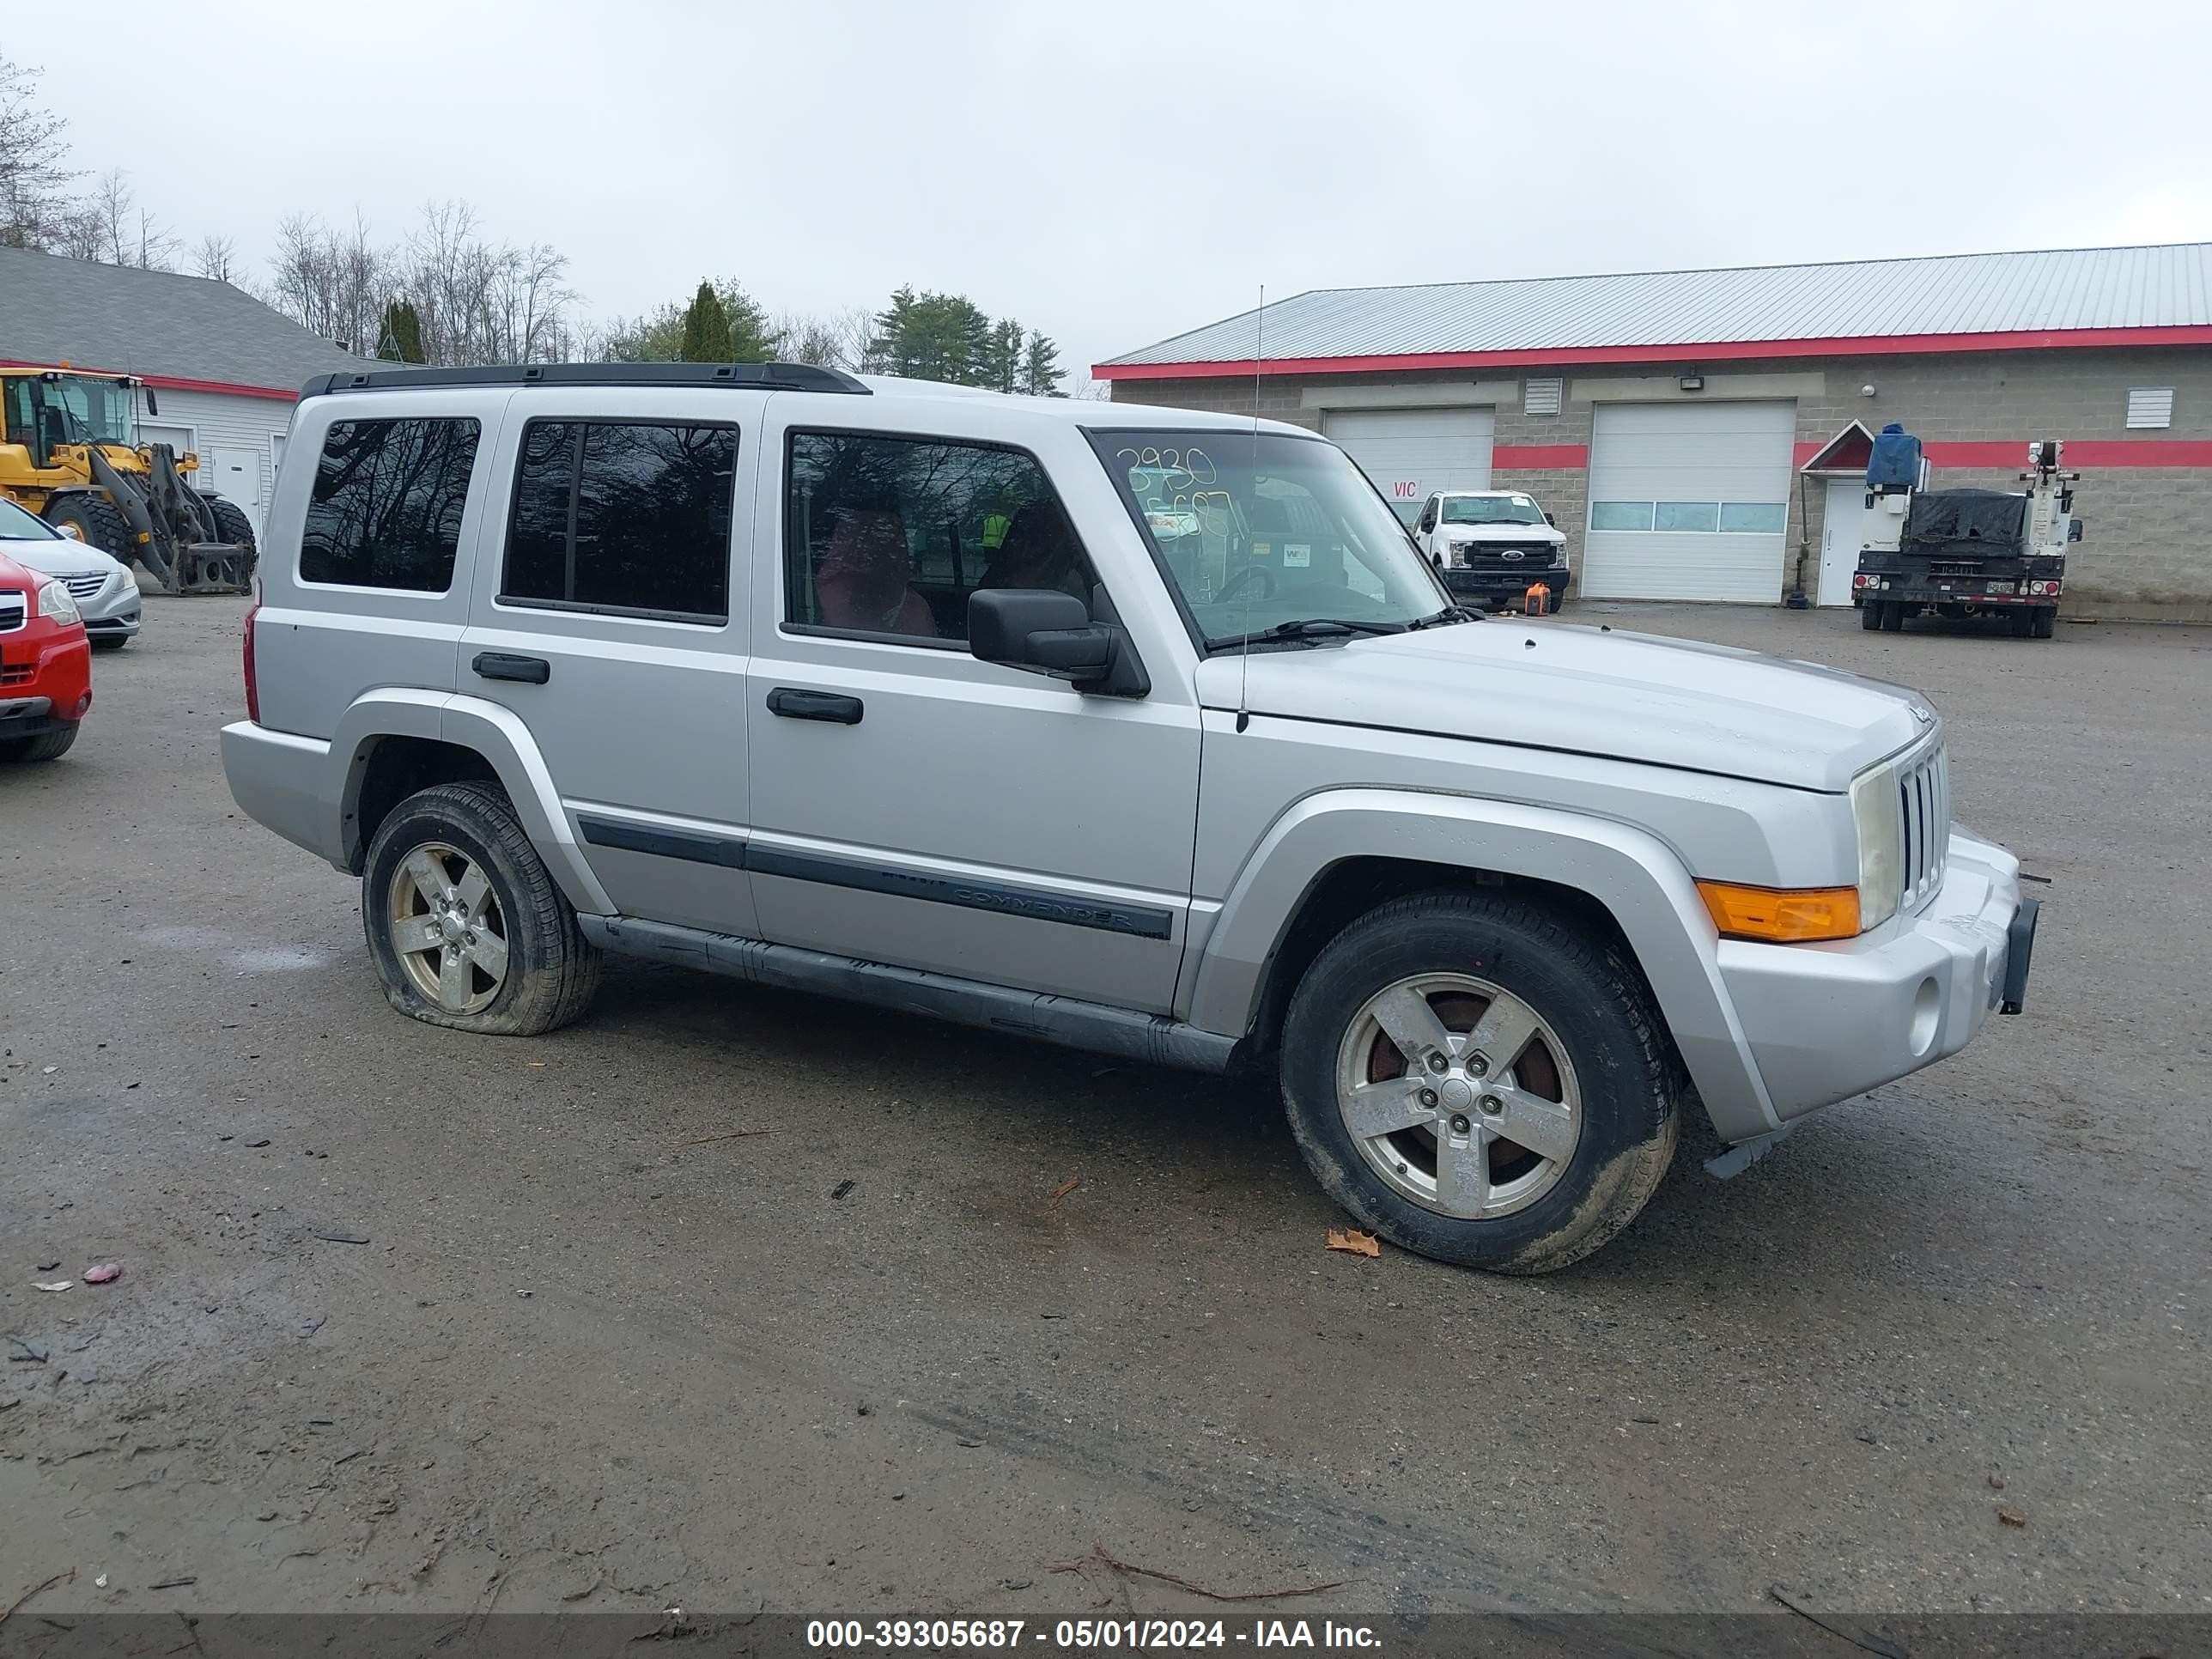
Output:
x,y
234,473
1841,538
1411,453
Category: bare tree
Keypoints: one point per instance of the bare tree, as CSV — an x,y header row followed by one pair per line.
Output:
x,y
34,172
125,233
216,257
802,339
335,283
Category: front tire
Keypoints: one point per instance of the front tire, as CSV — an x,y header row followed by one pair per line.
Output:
x,y
231,524
98,522
110,641
47,745
465,924
1479,1079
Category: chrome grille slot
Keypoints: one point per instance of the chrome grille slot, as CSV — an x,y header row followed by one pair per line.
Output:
x,y
1924,805
83,587
13,612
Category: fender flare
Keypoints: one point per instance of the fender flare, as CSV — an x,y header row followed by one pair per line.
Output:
x,y
495,732
1638,879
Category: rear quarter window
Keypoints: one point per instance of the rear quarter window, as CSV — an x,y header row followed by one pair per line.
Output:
x,y
386,510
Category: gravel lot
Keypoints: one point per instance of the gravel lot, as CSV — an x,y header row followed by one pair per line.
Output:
x,y
613,1340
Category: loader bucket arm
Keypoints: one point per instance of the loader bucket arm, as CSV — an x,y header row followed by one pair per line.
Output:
x,y
156,551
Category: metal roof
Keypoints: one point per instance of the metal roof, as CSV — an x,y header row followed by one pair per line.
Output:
x,y
2059,290
153,322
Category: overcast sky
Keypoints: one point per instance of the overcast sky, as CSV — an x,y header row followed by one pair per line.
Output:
x,y
1113,173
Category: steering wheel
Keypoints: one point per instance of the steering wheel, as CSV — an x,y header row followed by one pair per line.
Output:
x,y
1235,584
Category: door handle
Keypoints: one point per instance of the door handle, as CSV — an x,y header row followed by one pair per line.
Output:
x,y
797,705
493,666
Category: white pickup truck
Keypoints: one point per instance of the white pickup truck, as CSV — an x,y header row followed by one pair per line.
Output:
x,y
1492,546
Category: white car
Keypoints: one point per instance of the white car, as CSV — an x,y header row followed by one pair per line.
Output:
x,y
1491,545
106,592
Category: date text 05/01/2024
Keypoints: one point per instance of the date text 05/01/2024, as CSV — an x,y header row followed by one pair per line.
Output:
x,y
1086,1634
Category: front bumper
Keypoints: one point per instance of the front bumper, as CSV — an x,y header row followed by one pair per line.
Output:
x,y
113,612
1826,1022
1495,586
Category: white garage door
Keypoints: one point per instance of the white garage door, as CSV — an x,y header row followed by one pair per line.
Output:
x,y
1688,501
1411,453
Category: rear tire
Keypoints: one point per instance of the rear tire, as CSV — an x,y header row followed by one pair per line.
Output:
x,y
512,962
1870,614
2022,623
1892,616
2046,622
231,524
1540,1106
47,745
97,521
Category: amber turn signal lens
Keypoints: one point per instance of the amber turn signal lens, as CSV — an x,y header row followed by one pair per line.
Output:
x,y
1782,916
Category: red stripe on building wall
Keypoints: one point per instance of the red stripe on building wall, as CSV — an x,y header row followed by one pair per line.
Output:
x,y
1539,455
2010,455
1688,354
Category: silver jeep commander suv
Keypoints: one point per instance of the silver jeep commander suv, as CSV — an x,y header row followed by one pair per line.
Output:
x,y
1137,730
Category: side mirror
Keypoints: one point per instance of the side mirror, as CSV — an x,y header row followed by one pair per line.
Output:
x,y
1552,521
1045,631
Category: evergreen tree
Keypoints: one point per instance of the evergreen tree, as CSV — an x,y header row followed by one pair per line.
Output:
x,y
1002,358
748,335
401,339
706,337
1040,370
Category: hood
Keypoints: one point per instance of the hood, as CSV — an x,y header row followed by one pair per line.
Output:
x,y
1630,697
1503,532
64,556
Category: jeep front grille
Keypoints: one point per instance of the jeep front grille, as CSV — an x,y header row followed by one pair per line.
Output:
x,y
13,612
1924,803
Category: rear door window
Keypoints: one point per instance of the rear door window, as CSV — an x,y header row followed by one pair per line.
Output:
x,y
386,506
623,516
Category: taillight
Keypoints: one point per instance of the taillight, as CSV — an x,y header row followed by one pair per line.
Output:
x,y
252,688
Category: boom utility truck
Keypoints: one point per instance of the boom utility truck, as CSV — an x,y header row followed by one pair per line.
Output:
x,y
1962,553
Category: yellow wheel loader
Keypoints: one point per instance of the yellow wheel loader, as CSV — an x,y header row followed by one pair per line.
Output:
x,y
69,452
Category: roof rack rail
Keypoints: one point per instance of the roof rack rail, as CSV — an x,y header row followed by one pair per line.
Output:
x,y
751,377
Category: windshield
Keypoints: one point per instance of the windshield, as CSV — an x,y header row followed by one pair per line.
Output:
x,y
76,410
1492,509
1258,531
17,526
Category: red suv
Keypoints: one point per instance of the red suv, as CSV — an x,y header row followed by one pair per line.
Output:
x,y
45,666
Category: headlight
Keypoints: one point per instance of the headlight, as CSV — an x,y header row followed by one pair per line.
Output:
x,y
1882,849
54,601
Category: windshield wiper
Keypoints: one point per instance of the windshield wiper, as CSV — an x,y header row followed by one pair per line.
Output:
x,y
1307,628
1451,613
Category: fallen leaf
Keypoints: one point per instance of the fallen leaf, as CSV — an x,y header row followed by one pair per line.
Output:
x,y
59,1285
1352,1241
104,1273
1063,1190
2012,1517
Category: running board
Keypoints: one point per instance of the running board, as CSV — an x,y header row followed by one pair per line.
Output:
x,y
1093,1026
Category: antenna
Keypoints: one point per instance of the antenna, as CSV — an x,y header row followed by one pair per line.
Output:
x,y
1259,365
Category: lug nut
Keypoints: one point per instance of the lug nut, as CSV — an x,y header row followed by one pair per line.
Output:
x,y
1439,1063
1429,1098
1493,1104
1477,1065
1460,1124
